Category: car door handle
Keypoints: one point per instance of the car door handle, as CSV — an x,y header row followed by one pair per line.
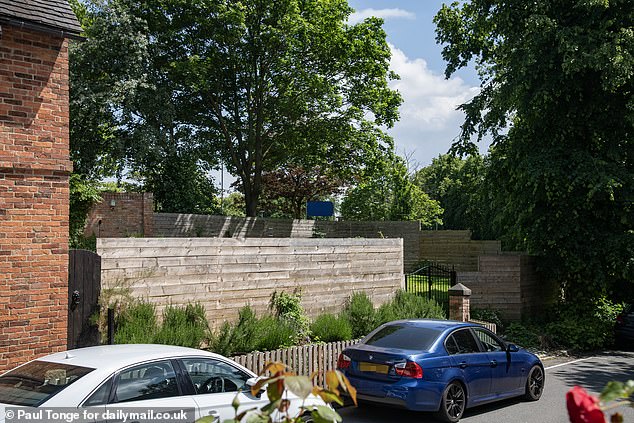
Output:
x,y
215,415
463,365
494,363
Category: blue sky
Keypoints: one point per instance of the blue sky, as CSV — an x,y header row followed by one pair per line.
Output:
x,y
429,121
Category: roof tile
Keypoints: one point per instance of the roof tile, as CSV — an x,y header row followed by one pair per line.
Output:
x,y
55,14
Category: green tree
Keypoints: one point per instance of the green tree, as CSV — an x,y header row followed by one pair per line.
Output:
x,y
388,193
286,191
129,115
464,191
284,82
557,83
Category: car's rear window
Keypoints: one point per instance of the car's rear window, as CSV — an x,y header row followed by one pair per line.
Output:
x,y
32,384
406,337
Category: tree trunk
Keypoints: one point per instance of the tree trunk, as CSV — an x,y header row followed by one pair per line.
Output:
x,y
251,198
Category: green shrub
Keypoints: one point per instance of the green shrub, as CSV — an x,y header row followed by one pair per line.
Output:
x,y
409,306
525,335
331,328
581,329
288,307
239,338
360,313
136,324
184,326
274,333
487,315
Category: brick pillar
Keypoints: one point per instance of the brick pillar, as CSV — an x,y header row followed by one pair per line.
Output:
x,y
459,303
148,214
34,172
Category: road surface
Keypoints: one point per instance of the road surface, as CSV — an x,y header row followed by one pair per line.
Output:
x,y
593,373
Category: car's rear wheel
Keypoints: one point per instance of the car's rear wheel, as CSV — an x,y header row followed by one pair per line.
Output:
x,y
534,383
452,404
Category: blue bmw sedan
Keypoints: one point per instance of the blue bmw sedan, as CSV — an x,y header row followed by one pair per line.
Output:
x,y
439,366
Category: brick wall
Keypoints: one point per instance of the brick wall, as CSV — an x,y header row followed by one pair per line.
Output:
x,y
34,169
121,215
509,284
225,274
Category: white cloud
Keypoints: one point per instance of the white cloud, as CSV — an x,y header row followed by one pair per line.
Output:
x,y
359,16
429,119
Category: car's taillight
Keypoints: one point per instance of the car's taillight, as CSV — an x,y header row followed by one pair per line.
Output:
x,y
409,369
343,362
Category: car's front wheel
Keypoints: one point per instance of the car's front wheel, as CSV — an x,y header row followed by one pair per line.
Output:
x,y
534,383
452,404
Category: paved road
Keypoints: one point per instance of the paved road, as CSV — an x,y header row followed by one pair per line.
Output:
x,y
591,372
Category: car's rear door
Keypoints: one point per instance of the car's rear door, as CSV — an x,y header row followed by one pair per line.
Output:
x,y
506,372
473,363
148,386
216,384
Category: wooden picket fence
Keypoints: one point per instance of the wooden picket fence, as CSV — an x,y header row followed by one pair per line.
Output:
x,y
303,360
308,359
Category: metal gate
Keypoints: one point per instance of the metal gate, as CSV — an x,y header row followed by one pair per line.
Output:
x,y
84,287
433,281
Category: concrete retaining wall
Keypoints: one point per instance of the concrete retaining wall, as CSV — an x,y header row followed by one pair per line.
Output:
x,y
455,248
191,225
224,274
509,284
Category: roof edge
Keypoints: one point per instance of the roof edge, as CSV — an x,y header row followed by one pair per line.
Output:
x,y
40,27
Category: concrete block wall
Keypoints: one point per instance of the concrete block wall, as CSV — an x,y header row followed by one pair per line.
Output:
x,y
509,284
121,215
34,172
225,274
166,224
455,248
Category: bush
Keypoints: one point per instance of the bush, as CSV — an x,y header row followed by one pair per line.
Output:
x,y
331,328
525,335
360,313
487,315
409,306
136,324
274,333
240,338
184,326
288,307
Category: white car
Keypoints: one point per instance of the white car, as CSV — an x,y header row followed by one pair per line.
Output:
x,y
111,377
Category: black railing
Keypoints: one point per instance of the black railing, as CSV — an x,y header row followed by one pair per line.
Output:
x,y
432,281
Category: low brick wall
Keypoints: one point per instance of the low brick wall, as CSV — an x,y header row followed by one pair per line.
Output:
x,y
224,274
121,215
509,284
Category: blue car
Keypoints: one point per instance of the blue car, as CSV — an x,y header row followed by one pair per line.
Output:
x,y
439,366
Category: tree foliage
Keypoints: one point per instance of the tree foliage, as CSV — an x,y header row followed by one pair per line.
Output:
x,y
389,193
464,192
557,81
286,191
275,83
257,85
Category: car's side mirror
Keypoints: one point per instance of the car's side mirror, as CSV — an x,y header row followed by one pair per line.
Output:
x,y
511,348
251,383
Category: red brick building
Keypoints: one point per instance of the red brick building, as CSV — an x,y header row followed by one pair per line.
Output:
x,y
34,172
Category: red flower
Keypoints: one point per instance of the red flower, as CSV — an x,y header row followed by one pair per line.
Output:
x,y
582,407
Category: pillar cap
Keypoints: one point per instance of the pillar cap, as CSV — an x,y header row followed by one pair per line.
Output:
x,y
459,290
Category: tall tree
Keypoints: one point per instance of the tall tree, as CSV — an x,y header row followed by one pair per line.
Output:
x,y
130,117
387,192
557,85
278,82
